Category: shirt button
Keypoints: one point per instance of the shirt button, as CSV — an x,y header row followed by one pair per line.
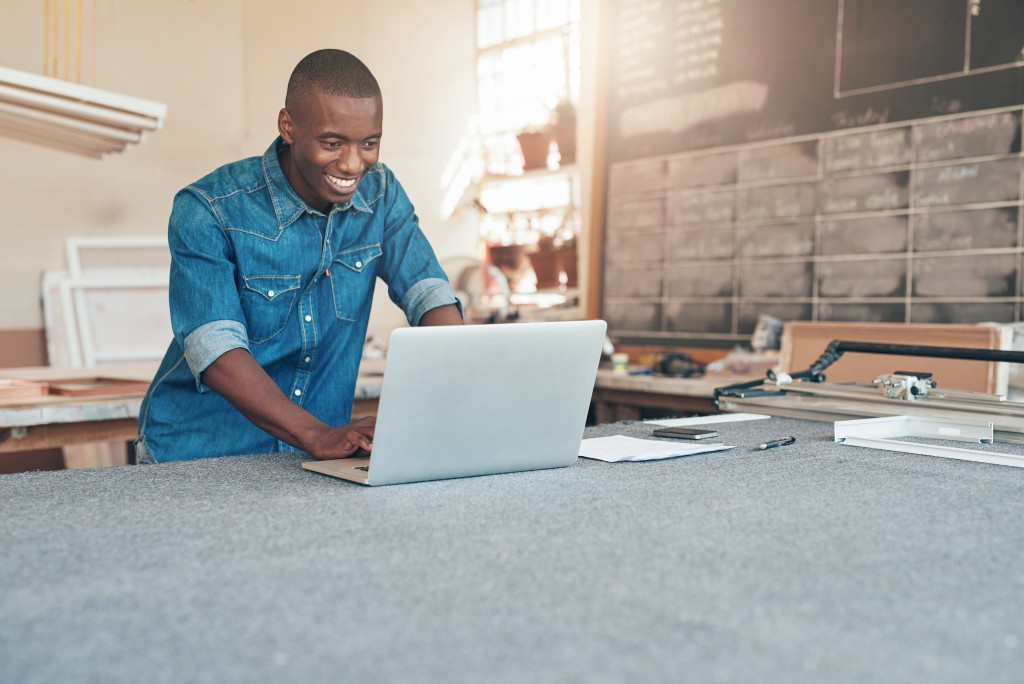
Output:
x,y
359,264
306,359
309,318
298,393
270,293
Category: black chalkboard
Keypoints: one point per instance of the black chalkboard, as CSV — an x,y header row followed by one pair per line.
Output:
x,y
811,160
696,74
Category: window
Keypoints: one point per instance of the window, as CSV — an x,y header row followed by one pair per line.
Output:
x,y
527,188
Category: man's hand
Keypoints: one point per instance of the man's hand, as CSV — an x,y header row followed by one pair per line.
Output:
x,y
237,377
354,439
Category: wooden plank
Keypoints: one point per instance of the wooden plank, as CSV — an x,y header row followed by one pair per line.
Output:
x,y
20,389
361,408
63,434
617,404
97,386
95,455
594,273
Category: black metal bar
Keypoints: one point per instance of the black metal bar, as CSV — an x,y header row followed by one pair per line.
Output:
x,y
738,386
964,353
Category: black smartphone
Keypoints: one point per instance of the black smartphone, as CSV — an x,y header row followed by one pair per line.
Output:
x,y
684,433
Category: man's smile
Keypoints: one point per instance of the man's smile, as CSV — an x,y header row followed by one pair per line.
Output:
x,y
343,183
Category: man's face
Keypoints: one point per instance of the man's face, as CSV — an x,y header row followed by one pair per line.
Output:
x,y
334,142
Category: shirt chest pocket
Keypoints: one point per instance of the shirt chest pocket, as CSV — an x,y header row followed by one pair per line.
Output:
x,y
352,278
266,302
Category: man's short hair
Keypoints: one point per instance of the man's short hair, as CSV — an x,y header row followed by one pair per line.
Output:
x,y
335,72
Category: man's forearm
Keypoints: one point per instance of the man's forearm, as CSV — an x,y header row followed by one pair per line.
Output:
x,y
442,315
237,377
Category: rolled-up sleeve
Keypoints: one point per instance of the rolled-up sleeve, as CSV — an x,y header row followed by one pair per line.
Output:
x,y
206,315
428,294
206,343
416,282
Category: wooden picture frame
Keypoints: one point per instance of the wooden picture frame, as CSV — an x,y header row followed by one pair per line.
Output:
x,y
21,389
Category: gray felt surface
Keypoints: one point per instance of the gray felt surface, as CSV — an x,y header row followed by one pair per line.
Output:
x,y
811,562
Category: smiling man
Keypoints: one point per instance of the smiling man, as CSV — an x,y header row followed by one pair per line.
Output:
x,y
274,262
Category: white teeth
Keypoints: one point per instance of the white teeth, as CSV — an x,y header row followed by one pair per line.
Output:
x,y
341,182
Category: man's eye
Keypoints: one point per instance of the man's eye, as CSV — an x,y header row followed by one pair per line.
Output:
x,y
371,145
332,144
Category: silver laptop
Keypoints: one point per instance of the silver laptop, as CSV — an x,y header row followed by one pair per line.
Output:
x,y
471,400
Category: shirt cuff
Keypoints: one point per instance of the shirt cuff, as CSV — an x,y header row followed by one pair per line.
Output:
x,y
426,295
208,342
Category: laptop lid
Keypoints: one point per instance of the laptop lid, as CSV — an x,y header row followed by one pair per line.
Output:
x,y
459,401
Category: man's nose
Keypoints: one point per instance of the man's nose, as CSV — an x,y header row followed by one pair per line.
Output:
x,y
351,162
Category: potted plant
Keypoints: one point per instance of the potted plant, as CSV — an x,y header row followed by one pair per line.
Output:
x,y
535,144
554,262
563,131
511,260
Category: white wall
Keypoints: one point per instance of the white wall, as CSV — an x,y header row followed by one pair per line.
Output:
x,y
222,67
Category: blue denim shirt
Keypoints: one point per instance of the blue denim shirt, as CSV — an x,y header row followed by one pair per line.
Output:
x,y
254,267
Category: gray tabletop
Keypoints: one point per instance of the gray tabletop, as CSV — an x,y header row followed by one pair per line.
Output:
x,y
810,562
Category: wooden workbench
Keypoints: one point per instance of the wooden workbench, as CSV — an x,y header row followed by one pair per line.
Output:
x,y
49,421
623,397
52,421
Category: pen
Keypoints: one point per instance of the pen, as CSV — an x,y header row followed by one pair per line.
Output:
x,y
777,442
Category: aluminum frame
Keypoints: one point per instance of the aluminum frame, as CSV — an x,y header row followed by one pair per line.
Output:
x,y
878,433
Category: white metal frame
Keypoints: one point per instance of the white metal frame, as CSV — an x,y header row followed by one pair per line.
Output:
x,y
878,433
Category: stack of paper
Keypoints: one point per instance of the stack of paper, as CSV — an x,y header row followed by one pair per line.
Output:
x,y
622,448
706,420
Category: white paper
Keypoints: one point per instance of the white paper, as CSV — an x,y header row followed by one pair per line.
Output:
x,y
622,448
707,420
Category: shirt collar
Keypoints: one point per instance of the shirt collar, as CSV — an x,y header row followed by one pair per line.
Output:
x,y
287,204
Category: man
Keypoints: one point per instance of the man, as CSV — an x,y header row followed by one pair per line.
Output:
x,y
274,262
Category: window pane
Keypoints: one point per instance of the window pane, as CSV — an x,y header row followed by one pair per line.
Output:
x,y
575,64
574,10
530,195
518,18
488,25
552,13
549,68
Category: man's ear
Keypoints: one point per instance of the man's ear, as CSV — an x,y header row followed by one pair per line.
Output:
x,y
284,125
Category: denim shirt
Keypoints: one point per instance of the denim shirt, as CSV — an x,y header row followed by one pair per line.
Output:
x,y
254,267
